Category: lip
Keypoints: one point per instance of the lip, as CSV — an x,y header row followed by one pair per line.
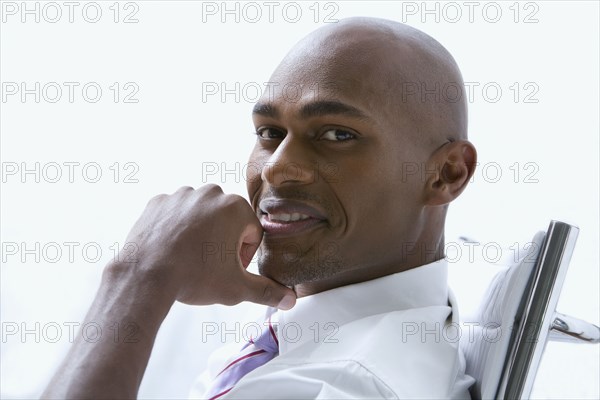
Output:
x,y
269,206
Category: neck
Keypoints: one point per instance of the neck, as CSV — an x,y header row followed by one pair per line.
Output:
x,y
424,252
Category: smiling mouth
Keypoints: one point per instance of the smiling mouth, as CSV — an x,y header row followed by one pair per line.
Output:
x,y
285,217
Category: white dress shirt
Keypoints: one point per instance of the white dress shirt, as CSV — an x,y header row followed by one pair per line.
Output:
x,y
390,338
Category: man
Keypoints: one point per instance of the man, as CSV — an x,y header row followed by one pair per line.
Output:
x,y
349,184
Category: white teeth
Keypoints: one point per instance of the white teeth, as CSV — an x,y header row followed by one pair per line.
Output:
x,y
288,217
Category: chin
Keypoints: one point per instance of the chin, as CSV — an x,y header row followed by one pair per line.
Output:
x,y
291,269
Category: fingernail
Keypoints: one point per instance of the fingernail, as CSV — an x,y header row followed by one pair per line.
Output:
x,y
288,301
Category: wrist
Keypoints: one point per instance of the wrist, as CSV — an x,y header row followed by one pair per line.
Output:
x,y
138,292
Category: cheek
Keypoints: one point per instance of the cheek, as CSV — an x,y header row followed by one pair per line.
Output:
x,y
330,172
377,200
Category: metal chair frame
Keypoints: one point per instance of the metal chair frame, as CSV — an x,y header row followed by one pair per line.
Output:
x,y
536,320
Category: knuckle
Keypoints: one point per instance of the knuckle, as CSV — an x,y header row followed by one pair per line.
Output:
x,y
233,201
157,199
211,188
184,189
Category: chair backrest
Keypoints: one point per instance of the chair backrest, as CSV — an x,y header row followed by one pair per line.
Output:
x,y
510,330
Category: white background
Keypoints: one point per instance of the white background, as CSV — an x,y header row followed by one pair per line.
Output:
x,y
172,135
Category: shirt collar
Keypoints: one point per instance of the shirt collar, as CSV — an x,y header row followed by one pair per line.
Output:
x,y
317,317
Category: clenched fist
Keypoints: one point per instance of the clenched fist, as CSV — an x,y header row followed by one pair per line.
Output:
x,y
196,245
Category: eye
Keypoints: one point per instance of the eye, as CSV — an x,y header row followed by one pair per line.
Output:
x,y
338,135
270,133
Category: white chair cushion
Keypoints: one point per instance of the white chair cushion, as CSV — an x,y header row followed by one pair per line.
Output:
x,y
486,347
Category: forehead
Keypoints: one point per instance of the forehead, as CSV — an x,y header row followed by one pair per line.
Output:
x,y
321,85
332,72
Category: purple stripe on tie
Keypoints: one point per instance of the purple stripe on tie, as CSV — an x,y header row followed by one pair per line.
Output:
x,y
253,355
241,359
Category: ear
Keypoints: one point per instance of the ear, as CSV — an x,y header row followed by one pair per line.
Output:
x,y
449,170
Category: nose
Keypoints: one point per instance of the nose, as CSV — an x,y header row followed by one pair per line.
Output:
x,y
290,163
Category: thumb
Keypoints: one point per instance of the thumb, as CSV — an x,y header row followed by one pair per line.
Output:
x,y
262,290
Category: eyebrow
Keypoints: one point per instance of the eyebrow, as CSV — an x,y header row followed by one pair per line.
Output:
x,y
313,109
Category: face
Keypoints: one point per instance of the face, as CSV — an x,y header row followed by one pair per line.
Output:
x,y
330,176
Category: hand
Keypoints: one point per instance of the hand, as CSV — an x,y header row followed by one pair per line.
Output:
x,y
196,245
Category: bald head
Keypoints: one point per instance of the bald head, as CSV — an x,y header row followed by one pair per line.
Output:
x,y
397,67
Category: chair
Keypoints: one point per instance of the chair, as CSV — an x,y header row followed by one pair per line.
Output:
x,y
518,316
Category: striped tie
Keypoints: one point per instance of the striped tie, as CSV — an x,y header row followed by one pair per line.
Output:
x,y
254,354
